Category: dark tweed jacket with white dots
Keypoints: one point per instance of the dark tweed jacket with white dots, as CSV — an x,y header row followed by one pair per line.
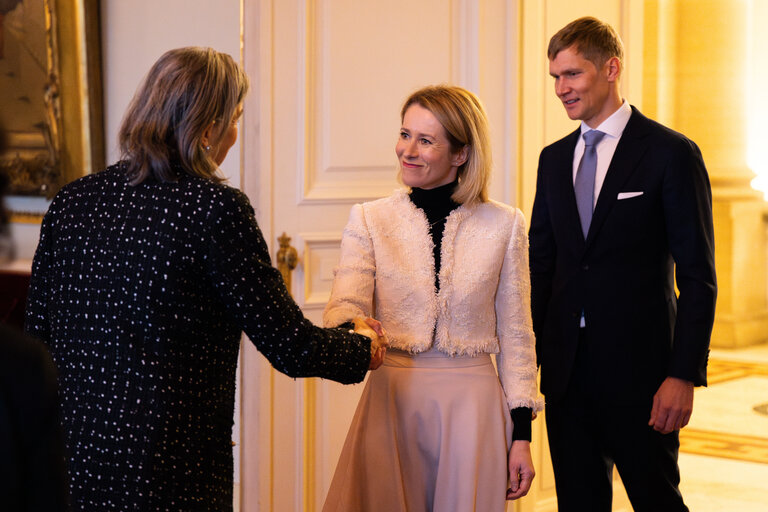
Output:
x,y
141,293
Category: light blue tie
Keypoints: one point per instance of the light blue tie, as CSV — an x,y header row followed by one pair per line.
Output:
x,y
584,186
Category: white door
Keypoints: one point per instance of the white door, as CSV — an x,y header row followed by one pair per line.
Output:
x,y
320,125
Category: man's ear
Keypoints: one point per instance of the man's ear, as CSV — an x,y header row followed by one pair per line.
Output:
x,y
460,157
612,69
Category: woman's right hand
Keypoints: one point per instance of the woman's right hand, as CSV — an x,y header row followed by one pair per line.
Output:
x,y
373,329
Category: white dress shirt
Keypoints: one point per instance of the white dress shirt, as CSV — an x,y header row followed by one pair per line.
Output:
x,y
613,127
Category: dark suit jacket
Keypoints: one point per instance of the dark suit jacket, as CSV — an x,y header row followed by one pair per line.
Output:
x,y
32,475
623,275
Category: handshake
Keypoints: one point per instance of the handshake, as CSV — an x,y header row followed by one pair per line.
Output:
x,y
372,328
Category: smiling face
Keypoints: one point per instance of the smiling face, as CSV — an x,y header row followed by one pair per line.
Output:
x,y
588,94
424,151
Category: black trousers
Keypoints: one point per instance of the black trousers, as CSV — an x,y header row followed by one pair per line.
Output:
x,y
586,440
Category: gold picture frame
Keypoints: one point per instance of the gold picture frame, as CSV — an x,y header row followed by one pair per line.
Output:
x,y
54,129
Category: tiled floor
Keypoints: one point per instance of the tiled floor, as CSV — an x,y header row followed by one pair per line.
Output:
x,y
714,484
724,449
756,354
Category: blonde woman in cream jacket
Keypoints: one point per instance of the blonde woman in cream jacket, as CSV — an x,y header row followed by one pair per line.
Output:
x,y
445,270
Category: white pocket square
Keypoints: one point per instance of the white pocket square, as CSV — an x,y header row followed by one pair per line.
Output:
x,y
627,195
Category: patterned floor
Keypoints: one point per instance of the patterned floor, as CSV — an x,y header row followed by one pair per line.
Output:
x,y
731,415
729,446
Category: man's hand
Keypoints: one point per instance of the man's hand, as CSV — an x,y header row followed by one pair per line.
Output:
x,y
672,405
521,471
372,328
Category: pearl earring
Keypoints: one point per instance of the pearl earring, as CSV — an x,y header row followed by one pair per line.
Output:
x,y
207,148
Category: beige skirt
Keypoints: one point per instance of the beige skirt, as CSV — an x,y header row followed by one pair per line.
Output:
x,y
431,434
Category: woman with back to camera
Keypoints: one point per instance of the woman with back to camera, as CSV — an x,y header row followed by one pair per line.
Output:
x,y
445,270
145,275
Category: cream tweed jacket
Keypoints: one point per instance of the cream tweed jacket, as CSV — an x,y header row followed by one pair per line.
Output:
x,y
387,271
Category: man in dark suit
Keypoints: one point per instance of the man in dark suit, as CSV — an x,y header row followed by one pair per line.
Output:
x,y
619,218
32,466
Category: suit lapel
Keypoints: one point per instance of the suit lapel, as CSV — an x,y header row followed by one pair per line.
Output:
x,y
563,187
626,158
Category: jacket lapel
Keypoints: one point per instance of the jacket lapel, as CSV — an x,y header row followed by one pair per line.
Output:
x,y
624,162
563,188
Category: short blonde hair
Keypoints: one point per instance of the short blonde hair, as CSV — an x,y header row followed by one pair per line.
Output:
x,y
463,117
184,92
594,40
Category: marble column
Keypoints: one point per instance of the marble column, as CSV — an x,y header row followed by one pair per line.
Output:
x,y
698,53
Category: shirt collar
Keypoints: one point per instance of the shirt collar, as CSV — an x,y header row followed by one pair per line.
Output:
x,y
615,124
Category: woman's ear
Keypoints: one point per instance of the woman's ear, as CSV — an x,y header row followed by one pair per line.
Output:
x,y
205,140
460,157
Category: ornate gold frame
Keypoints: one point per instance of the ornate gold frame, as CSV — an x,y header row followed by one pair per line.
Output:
x,y
74,127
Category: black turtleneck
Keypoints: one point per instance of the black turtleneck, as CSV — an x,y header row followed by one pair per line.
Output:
x,y
437,205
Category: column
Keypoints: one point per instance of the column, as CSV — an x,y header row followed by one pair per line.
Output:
x,y
706,64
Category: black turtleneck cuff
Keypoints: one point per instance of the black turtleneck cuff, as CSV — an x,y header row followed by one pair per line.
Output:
x,y
521,419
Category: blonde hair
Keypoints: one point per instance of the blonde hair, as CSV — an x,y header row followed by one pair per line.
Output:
x,y
186,90
463,117
594,40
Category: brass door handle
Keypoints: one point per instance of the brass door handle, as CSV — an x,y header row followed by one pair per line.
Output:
x,y
287,259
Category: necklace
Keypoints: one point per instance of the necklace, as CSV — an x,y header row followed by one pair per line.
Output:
x,y
432,224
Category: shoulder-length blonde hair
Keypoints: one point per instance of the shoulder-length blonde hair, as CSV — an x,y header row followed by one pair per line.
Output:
x,y
463,117
186,90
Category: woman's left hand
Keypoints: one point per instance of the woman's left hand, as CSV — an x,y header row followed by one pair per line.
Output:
x,y
521,471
